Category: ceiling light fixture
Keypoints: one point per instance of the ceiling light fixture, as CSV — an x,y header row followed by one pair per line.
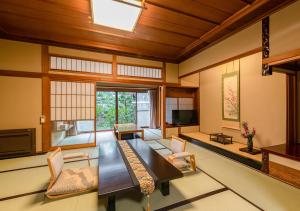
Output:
x,y
120,14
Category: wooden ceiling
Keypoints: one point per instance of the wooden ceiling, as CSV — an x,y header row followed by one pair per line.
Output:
x,y
168,30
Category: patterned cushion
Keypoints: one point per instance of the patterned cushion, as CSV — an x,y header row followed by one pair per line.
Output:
x,y
180,163
74,181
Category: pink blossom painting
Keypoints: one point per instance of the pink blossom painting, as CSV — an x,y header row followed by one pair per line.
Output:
x,y
231,96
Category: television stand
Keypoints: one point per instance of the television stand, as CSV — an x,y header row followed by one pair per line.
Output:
x,y
179,125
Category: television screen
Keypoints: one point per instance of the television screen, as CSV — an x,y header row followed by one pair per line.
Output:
x,y
184,117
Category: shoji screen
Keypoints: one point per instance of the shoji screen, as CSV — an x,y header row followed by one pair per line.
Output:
x,y
186,103
80,65
171,104
138,71
72,101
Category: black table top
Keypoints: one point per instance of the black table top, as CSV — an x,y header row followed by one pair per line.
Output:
x,y
115,175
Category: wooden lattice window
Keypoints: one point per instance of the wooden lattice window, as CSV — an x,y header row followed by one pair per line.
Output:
x,y
72,101
139,71
79,65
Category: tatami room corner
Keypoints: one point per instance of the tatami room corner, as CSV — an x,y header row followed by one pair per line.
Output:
x,y
149,105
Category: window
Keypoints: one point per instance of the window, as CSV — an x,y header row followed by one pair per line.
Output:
x,y
116,14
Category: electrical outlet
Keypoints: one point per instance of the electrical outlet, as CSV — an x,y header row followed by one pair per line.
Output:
x,y
42,119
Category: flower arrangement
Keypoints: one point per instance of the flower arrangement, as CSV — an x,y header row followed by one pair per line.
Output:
x,y
249,135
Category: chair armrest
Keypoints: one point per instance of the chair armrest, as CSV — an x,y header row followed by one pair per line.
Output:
x,y
179,155
76,155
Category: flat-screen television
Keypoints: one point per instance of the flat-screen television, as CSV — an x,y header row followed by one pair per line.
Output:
x,y
184,117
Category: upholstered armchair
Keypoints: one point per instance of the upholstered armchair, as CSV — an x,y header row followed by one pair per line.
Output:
x,y
180,158
67,182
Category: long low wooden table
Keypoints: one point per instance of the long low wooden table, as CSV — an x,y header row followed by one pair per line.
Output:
x,y
116,176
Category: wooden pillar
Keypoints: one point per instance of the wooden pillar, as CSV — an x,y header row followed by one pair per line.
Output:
x,y
265,162
114,67
46,126
162,93
291,125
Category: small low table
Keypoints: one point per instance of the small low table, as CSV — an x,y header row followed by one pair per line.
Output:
x,y
220,138
128,128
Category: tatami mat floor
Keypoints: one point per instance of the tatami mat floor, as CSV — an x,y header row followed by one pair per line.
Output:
x,y
85,138
200,191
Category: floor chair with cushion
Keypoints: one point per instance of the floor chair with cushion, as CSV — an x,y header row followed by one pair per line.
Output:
x,y
67,182
180,158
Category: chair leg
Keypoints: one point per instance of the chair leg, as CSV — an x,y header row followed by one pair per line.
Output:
x,y
88,159
193,162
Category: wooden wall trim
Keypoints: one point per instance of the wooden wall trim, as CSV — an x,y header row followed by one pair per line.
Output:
x,y
283,58
139,65
79,58
82,47
16,73
80,77
239,56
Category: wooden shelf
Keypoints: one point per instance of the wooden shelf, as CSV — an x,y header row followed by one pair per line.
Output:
x,y
177,126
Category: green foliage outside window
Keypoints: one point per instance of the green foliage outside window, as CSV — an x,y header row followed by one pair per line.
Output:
x,y
106,109
126,107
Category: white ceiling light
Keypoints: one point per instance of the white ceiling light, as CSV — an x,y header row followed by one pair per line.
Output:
x,y
120,14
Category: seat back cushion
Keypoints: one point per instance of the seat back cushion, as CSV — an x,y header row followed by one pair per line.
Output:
x,y
73,181
177,145
55,163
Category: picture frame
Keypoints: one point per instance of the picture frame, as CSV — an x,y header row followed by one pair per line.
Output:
x,y
231,96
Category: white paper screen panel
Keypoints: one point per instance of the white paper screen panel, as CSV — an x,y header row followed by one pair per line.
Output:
x,y
171,104
72,101
138,71
186,103
80,65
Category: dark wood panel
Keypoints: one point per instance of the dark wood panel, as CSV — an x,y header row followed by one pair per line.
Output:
x,y
193,8
283,150
17,142
171,27
113,172
174,17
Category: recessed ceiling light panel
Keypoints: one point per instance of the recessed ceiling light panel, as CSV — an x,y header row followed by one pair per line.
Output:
x,y
120,14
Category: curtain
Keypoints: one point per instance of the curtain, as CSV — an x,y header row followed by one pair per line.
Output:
x,y
153,108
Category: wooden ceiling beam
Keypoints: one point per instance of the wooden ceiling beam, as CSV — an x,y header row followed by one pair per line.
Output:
x,y
248,1
88,46
217,29
181,12
160,36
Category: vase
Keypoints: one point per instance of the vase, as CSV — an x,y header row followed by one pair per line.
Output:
x,y
250,144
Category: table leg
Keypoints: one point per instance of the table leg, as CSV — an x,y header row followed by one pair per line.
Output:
x,y
165,188
265,162
119,136
111,204
143,136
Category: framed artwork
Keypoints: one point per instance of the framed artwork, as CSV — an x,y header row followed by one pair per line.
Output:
x,y
231,96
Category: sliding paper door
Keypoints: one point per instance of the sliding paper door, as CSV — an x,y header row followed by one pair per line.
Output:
x,y
72,113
